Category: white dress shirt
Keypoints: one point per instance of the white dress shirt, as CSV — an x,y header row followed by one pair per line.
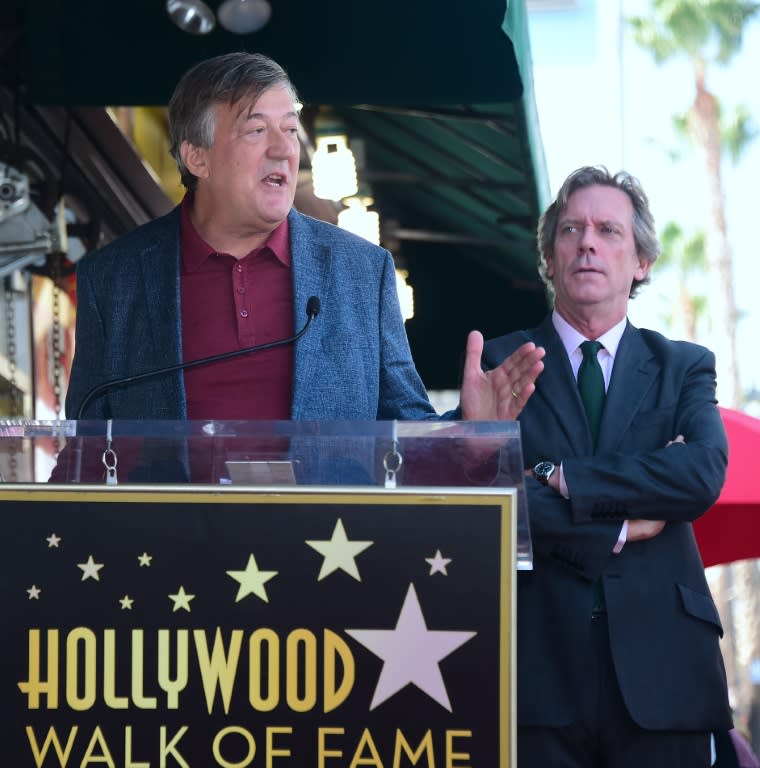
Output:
x,y
572,340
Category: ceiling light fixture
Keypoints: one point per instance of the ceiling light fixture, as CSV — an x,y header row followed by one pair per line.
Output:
x,y
333,168
242,17
192,16
357,219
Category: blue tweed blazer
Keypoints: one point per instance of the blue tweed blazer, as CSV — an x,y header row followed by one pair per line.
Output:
x,y
353,363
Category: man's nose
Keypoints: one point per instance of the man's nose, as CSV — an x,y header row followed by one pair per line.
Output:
x,y
587,239
282,146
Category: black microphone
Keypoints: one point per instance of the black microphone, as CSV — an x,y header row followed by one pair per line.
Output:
x,y
312,310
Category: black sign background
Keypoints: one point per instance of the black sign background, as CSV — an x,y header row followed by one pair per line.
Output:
x,y
193,539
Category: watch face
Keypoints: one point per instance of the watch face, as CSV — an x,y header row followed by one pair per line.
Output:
x,y
543,470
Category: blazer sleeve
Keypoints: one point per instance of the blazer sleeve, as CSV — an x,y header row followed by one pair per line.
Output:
x,y
402,394
644,479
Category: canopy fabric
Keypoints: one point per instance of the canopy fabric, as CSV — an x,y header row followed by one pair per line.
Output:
x,y
730,530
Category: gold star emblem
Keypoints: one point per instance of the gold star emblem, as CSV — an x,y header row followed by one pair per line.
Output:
x,y
126,603
90,569
252,580
339,552
181,600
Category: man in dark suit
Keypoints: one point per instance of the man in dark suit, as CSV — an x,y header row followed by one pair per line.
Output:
x,y
234,266
619,662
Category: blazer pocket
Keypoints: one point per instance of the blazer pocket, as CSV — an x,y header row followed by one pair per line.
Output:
x,y
700,606
651,428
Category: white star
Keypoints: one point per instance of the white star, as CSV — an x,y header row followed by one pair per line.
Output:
x,y
90,569
252,580
144,560
339,552
438,563
34,592
126,603
53,540
410,653
181,600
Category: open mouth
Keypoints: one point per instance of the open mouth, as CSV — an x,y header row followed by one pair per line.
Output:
x,y
275,180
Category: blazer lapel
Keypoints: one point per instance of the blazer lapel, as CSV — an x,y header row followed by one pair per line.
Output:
x,y
160,265
311,263
557,389
634,372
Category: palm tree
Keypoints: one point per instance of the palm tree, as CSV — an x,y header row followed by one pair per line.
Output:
x,y
707,31
685,255
710,31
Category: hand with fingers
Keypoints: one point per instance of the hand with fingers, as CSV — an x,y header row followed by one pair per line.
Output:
x,y
499,394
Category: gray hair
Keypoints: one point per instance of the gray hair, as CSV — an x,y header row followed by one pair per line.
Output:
x,y
644,232
223,79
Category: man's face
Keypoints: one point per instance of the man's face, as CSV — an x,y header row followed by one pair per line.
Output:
x,y
251,169
595,260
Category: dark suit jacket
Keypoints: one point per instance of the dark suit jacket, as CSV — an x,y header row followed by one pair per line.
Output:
x,y
663,625
353,363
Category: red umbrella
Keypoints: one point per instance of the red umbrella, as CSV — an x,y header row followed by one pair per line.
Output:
x,y
730,530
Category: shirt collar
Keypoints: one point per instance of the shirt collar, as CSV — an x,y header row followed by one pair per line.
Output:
x,y
195,250
572,339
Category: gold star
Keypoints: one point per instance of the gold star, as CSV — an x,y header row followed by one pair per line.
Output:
x,y
339,552
90,569
144,560
181,600
126,603
34,592
252,580
53,540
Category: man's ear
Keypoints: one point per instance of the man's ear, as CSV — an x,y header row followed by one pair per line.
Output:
x,y
194,159
549,266
643,269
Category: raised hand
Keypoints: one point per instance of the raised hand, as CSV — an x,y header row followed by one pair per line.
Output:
x,y
499,394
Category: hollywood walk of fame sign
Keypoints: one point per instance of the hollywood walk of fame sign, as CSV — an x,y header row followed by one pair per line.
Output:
x,y
316,627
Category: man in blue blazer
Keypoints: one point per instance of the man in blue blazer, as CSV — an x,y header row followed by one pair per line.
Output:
x,y
619,662
234,266
353,363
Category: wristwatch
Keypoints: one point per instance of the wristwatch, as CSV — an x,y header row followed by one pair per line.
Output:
x,y
543,471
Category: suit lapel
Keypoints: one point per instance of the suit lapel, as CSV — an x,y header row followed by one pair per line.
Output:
x,y
633,374
311,262
160,273
557,390
160,264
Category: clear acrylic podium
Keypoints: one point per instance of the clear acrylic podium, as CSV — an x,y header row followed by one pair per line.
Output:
x,y
261,593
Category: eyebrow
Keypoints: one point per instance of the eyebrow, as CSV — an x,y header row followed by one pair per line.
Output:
x,y
602,222
263,116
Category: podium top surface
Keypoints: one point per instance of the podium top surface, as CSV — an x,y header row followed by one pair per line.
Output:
x,y
272,454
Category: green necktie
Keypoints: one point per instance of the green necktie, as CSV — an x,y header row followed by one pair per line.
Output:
x,y
591,385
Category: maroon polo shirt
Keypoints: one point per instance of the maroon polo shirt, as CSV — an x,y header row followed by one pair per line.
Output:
x,y
228,304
